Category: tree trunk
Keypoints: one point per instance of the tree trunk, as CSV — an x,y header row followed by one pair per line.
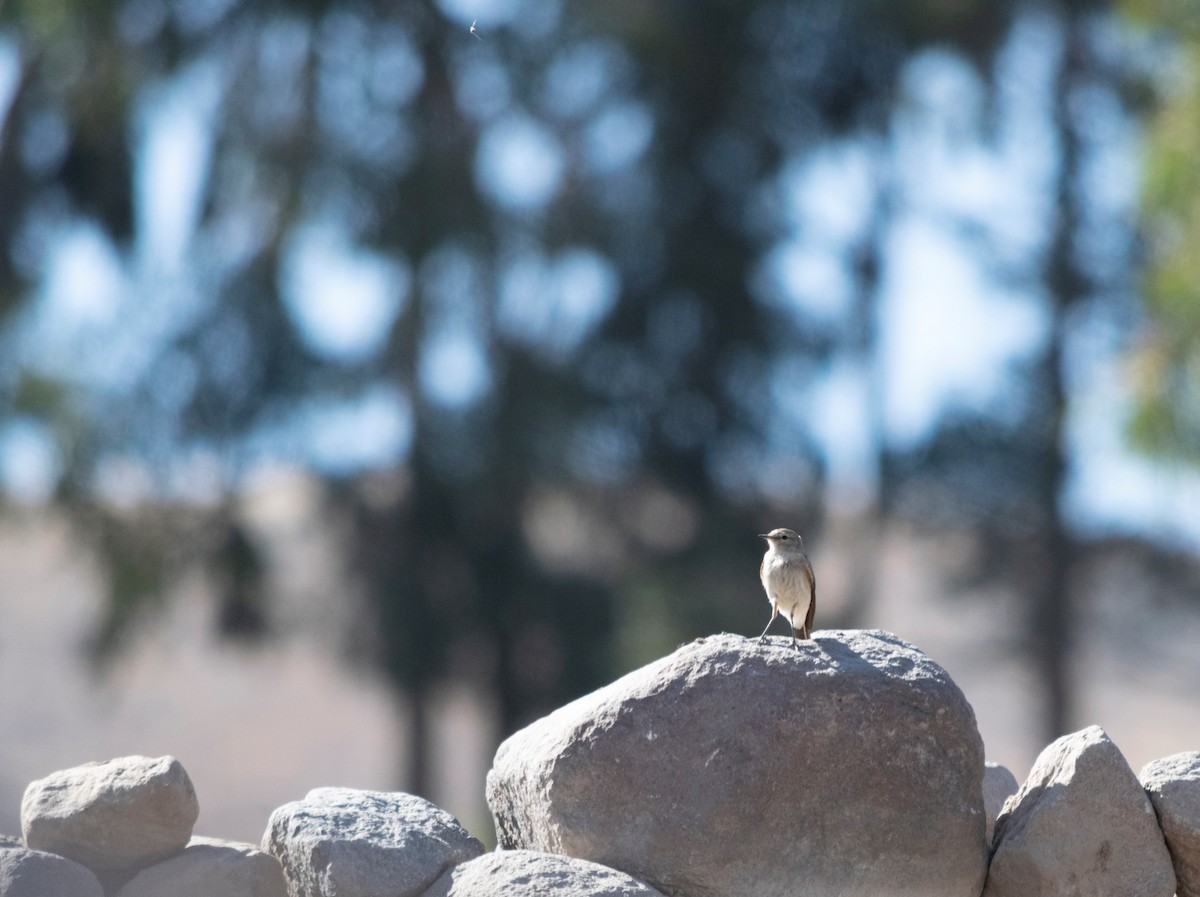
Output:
x,y
1052,618
417,775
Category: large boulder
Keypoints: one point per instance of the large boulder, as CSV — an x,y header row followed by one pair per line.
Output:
x,y
850,766
208,867
523,873
339,841
34,873
1173,785
1080,825
112,817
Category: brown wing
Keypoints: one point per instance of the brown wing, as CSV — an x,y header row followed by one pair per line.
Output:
x,y
812,605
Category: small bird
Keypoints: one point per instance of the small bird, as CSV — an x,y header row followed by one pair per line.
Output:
x,y
474,32
787,576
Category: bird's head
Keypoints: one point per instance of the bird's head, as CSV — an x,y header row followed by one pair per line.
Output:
x,y
783,539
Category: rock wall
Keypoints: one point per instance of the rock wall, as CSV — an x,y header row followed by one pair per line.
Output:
x,y
849,765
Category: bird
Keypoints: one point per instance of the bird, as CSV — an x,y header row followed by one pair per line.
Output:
x,y
787,576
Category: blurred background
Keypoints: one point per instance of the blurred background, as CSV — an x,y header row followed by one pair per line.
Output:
x,y
369,387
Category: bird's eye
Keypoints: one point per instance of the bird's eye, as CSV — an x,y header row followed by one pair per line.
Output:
x,y
783,536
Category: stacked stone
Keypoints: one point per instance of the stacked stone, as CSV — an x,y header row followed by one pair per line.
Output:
x,y
1081,824
1173,786
851,766
125,827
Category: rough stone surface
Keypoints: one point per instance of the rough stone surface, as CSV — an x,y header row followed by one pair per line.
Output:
x,y
998,786
34,873
851,766
348,843
1173,785
11,841
124,814
209,867
1080,825
524,873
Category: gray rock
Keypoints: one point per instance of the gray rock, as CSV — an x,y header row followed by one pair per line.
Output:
x,y
524,873
1080,825
209,867
34,873
998,786
1173,785
11,841
339,841
850,766
112,817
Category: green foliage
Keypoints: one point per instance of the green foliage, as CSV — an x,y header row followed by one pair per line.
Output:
x,y
1166,363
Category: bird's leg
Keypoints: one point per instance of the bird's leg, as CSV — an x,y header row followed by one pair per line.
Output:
x,y
795,644
774,614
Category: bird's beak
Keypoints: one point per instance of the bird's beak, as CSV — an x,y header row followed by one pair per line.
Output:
x,y
764,536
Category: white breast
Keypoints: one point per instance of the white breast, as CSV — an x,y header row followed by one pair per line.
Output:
x,y
788,588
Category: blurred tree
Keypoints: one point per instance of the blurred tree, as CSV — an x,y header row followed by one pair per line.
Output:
x,y
1005,469
583,375
1166,363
